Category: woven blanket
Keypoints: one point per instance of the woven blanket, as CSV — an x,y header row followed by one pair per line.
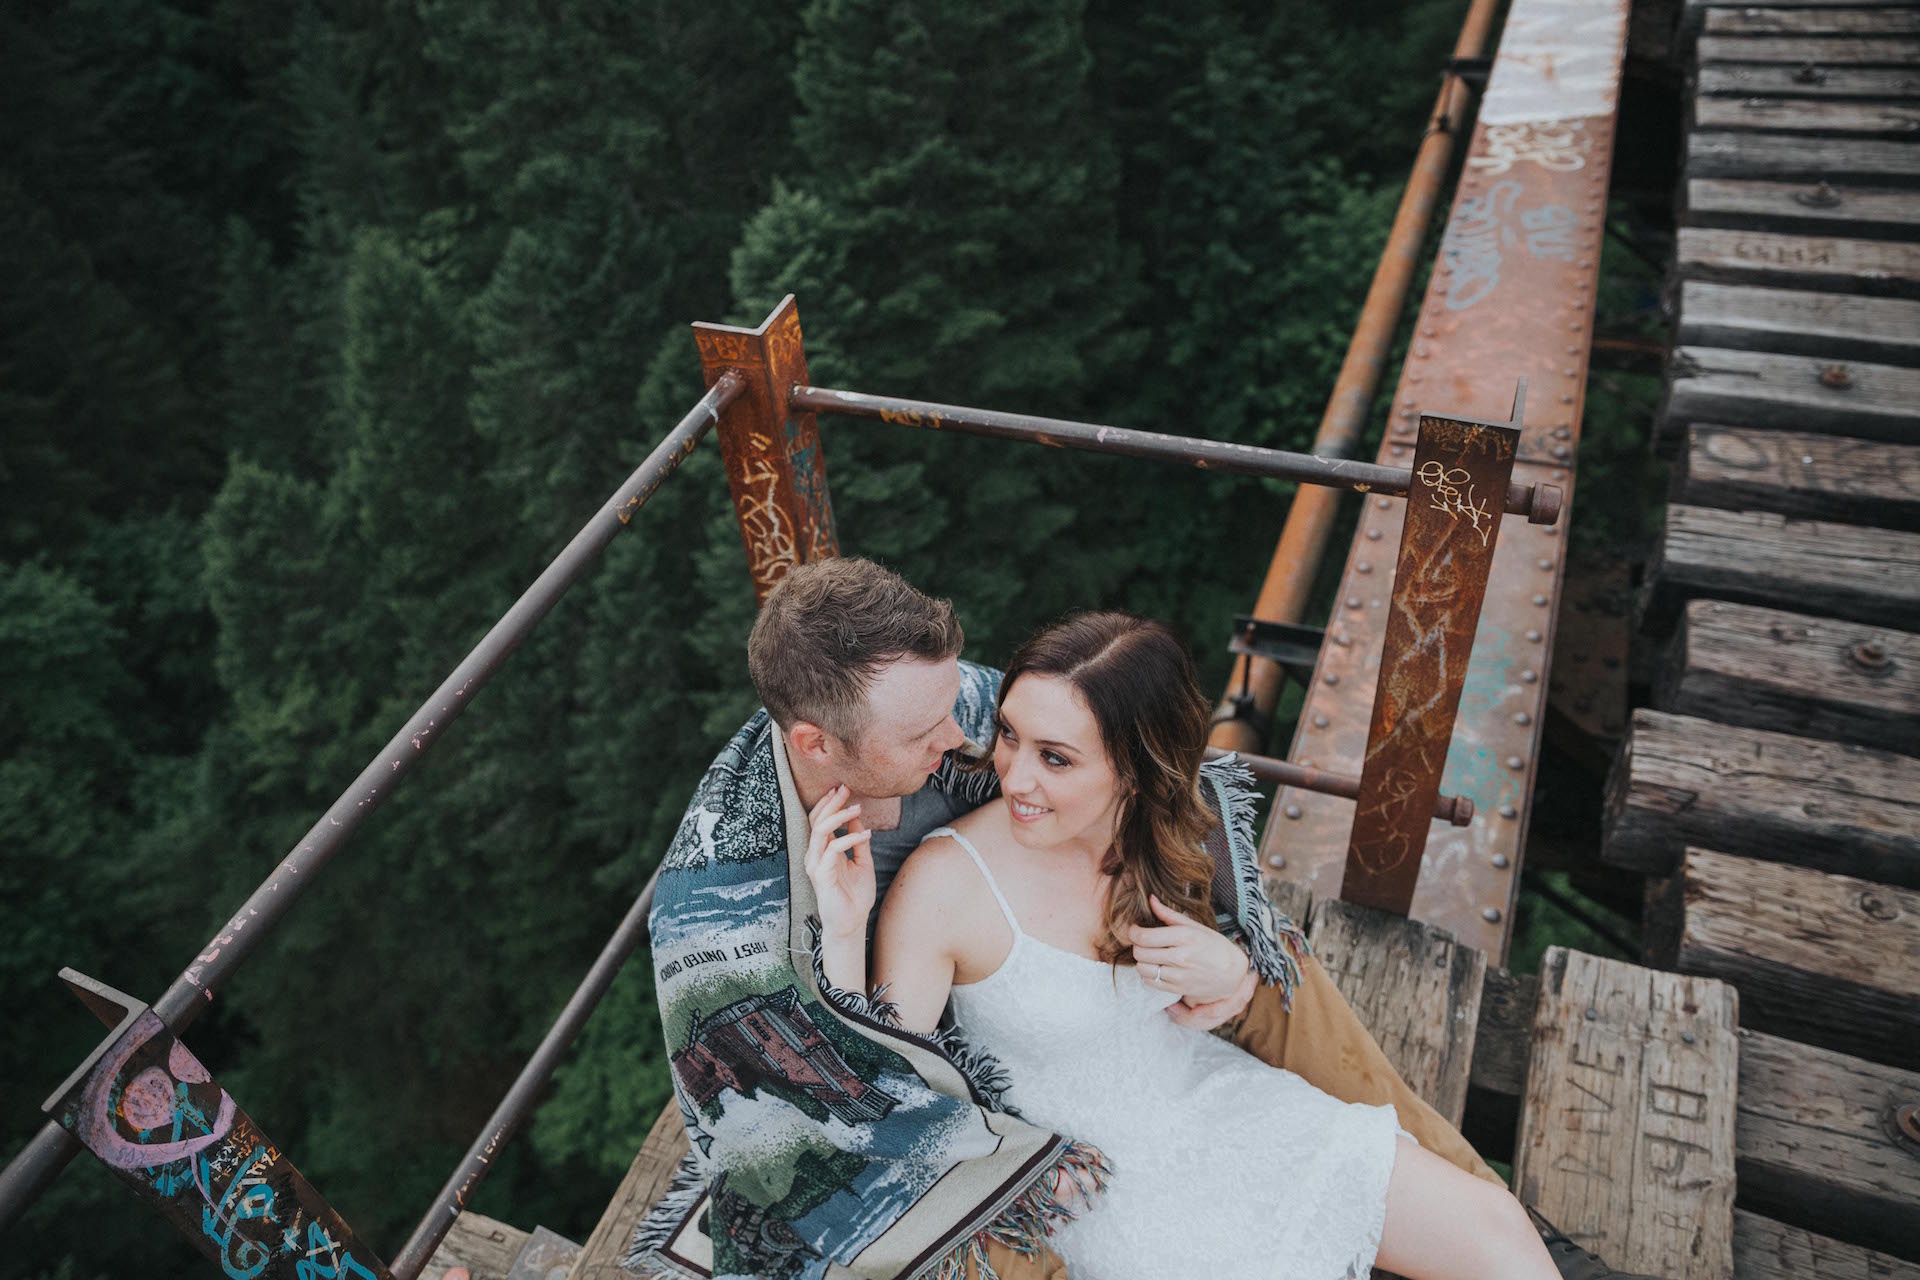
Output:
x,y
828,1141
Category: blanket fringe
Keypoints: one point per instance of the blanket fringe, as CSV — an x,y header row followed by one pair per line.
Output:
x,y
655,1231
983,1072
1275,944
1033,1215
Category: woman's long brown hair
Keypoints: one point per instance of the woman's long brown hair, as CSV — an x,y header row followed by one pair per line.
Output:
x,y
1138,681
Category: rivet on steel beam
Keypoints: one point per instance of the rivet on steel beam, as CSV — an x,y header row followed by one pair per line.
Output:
x,y
1529,677
1342,639
1292,811
1491,915
1549,530
1383,503
1522,717
1508,811
1566,399
1330,678
1500,862
1319,722
1398,447
1576,326
1362,567
1559,473
1573,351
1544,563
1561,451
1570,373
1373,535
1539,599
1276,861
1428,332
1407,403
1563,432
1515,762
1353,602
1534,636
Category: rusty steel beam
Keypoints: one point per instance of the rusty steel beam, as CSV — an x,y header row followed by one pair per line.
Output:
x,y
34,1167
775,470
1303,539
154,1115
1539,503
1511,296
1447,542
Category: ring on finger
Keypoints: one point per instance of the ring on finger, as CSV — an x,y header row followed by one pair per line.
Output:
x,y
1156,975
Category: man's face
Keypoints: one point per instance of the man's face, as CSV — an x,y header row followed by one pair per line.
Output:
x,y
910,727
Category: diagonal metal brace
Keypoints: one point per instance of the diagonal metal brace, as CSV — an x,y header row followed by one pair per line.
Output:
x,y
154,1115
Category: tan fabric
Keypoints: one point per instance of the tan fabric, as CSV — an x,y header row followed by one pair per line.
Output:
x,y
1323,1042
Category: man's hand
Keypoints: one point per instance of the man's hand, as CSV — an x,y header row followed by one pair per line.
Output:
x,y
1183,955
1205,1017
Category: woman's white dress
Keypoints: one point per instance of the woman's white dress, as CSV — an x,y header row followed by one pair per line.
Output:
x,y
1222,1165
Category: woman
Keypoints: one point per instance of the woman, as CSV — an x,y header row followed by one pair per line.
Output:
x,y
1062,920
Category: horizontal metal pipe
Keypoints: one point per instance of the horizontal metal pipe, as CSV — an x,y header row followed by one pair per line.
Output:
x,y
37,1164
1457,810
507,1118
1539,503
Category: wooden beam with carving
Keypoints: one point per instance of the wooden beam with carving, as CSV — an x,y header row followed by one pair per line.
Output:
x,y
1767,1250
486,1248
1876,267
1627,1131
645,1181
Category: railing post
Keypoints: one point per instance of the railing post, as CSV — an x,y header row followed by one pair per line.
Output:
x,y
775,470
1455,502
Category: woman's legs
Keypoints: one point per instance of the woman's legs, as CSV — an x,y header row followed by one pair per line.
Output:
x,y
1445,1224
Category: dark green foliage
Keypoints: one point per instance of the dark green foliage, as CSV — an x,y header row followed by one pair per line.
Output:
x,y
328,325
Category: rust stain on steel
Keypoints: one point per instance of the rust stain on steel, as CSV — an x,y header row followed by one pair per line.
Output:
x,y
154,1115
1511,296
1447,541
775,469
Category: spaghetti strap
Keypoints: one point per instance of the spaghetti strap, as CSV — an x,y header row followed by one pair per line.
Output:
x,y
980,862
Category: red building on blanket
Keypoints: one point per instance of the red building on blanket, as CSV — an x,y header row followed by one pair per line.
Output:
x,y
771,1038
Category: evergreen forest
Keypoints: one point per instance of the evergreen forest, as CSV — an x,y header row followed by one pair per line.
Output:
x,y
325,326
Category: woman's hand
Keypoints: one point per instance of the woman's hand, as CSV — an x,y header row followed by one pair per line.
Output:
x,y
1183,955
841,867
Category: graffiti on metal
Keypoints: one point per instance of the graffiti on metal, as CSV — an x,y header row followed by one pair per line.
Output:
x,y
775,468
1452,524
155,1116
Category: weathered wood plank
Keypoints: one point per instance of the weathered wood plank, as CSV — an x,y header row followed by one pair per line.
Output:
x,y
1828,806
1414,987
1825,959
1801,208
484,1247
1805,476
1752,20
1787,156
1767,1250
1797,393
547,1256
1797,51
1816,1145
1504,1042
1833,326
1783,260
646,1180
1807,115
1805,81
1759,557
1768,669
1627,1131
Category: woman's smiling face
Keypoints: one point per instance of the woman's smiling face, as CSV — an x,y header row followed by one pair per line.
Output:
x,y
1055,777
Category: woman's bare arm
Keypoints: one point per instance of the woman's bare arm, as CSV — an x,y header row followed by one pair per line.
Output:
x,y
915,943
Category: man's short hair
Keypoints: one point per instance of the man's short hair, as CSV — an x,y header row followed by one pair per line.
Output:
x,y
828,627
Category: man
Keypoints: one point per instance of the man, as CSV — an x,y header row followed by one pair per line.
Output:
x,y
861,678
